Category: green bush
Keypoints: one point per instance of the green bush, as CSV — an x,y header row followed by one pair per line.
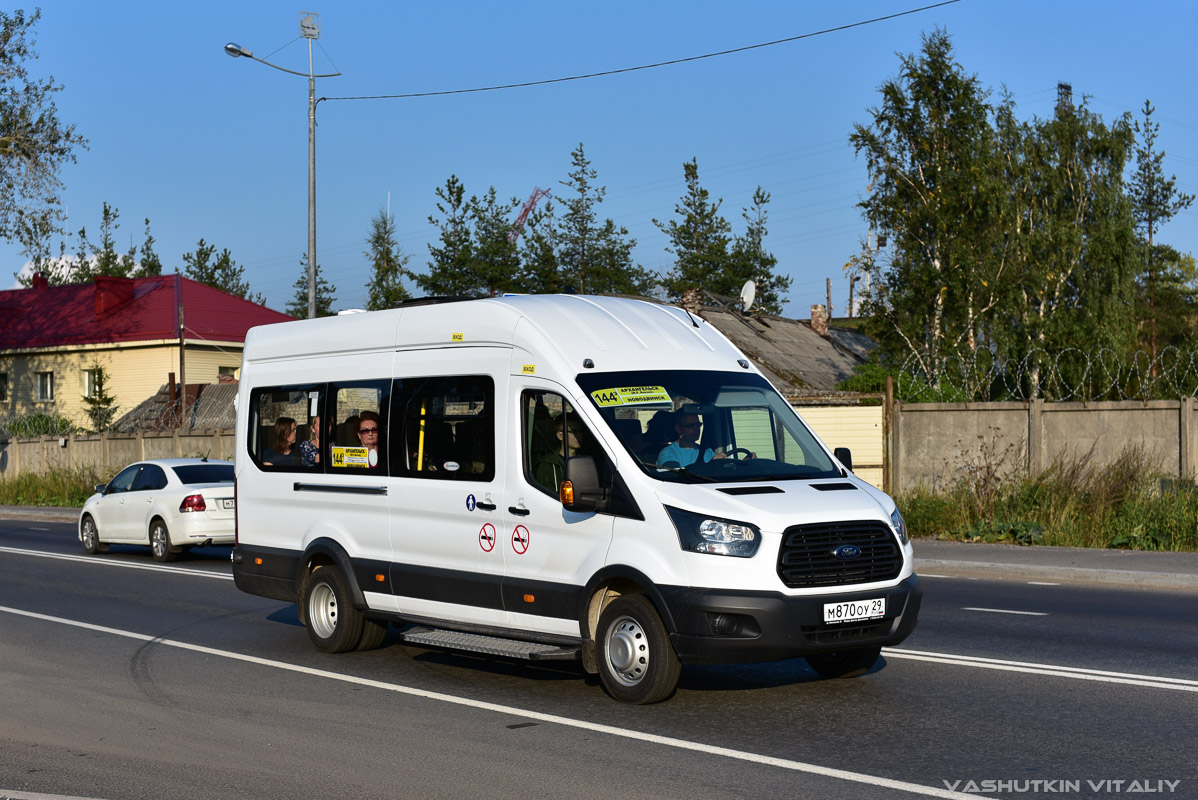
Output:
x,y
60,487
1072,503
37,424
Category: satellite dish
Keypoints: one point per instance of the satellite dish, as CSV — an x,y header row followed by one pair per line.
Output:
x,y
748,293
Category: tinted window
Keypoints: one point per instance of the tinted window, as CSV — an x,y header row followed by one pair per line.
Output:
x,y
123,482
152,478
205,473
553,431
444,428
357,430
285,426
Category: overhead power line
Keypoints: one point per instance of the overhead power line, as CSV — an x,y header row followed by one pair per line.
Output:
x,y
650,66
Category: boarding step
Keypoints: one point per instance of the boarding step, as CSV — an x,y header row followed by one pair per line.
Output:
x,y
490,645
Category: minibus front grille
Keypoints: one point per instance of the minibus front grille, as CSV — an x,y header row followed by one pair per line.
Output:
x,y
808,555
832,634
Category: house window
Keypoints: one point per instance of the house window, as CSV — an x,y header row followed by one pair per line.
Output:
x,y
3,387
91,382
45,386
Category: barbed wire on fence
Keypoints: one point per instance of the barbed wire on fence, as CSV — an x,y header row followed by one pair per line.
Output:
x,y
1062,376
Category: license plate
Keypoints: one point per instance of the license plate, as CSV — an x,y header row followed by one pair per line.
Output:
x,y
855,610
227,504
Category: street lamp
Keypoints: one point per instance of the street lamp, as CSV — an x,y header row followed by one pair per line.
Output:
x,y
310,30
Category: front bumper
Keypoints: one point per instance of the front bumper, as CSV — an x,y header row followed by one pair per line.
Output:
x,y
718,626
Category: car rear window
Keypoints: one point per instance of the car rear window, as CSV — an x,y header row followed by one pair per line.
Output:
x,y
205,473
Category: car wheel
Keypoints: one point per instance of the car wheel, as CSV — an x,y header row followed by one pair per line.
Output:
x,y
637,663
160,542
334,625
90,537
844,663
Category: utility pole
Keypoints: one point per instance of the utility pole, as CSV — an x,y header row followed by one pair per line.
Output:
x,y
829,286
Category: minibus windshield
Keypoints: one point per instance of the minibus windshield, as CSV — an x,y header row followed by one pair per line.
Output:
x,y
697,427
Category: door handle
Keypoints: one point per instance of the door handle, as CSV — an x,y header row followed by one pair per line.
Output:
x,y
485,506
519,512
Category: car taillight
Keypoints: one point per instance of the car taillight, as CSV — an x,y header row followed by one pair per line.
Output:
x,y
193,502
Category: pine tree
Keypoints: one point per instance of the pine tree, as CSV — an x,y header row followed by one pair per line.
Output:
x,y
449,271
1155,200
494,259
540,272
699,241
149,264
388,264
326,294
221,272
594,257
100,406
751,261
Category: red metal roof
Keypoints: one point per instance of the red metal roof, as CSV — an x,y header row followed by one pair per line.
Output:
x,y
125,310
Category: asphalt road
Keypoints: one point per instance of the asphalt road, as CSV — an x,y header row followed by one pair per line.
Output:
x,y
122,678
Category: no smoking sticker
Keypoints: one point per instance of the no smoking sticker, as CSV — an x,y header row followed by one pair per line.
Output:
x,y
520,538
487,537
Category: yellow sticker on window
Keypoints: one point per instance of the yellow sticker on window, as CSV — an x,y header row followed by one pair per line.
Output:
x,y
631,396
457,337
529,369
351,457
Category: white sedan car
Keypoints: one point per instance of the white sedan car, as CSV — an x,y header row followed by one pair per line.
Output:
x,y
171,504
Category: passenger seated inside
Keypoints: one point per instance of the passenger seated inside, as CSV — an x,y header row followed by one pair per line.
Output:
x,y
284,452
551,466
368,434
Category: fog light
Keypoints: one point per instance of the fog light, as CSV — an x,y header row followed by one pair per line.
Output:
x,y
724,624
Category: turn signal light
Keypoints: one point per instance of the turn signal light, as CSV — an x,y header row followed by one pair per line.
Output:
x,y
566,493
528,598
193,502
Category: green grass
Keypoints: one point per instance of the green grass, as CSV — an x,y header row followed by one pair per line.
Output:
x,y
61,487
1070,504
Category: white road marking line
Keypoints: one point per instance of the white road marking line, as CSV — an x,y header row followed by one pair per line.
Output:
x,y
1006,611
665,741
114,563
1041,583
38,529
1078,673
929,575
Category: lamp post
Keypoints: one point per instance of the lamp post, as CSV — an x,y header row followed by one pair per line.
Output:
x,y
309,29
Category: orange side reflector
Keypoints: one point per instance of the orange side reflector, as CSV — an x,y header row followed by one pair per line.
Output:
x,y
566,493
528,598
258,561
380,578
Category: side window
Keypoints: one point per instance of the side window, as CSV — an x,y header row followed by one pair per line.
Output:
x,y
357,429
285,428
444,428
753,429
123,482
553,432
151,478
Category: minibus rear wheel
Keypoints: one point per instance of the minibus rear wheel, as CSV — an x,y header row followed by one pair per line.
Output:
x,y
637,662
844,663
334,625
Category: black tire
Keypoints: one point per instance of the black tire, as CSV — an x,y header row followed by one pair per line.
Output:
x,y
844,663
373,634
333,624
160,542
637,662
89,535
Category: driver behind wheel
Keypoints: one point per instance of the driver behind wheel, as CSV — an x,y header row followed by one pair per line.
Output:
x,y
685,450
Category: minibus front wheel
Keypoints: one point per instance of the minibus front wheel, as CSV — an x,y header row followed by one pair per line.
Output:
x,y
637,662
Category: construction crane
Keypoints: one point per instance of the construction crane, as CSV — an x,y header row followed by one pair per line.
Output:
x,y
525,210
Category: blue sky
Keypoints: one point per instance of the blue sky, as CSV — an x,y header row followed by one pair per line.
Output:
x,y
215,147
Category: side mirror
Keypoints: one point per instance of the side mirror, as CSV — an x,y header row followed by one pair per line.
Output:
x,y
580,489
844,456
100,487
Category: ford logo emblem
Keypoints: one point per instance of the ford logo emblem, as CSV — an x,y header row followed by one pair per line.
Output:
x,y
847,552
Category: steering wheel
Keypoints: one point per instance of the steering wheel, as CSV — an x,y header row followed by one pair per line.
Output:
x,y
732,453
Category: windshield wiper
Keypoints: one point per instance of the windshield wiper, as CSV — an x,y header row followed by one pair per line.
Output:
x,y
680,471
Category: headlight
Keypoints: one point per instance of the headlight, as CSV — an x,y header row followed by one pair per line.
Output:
x,y
699,533
900,525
